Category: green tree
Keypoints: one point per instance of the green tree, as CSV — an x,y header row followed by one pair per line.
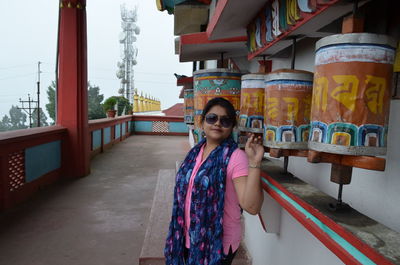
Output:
x,y
43,118
17,118
95,110
15,121
123,105
51,96
5,124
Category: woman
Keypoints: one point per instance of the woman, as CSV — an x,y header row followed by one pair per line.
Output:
x,y
215,181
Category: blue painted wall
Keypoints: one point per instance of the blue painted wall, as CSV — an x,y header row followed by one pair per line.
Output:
x,y
179,127
42,159
124,128
143,126
107,135
96,139
117,131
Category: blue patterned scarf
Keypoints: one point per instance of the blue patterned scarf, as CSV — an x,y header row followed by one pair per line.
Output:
x,y
206,208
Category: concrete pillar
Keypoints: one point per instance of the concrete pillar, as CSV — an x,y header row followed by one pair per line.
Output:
x,y
72,102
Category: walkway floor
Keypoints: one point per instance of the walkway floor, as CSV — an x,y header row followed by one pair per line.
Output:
x,y
99,219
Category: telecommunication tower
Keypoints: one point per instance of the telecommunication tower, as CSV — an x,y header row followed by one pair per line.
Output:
x,y
129,51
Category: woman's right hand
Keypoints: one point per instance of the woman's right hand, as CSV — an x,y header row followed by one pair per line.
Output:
x,y
254,149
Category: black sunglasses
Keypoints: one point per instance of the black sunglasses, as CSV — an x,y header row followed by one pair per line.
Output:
x,y
225,121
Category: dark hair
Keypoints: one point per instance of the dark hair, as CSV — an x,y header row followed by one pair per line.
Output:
x,y
230,110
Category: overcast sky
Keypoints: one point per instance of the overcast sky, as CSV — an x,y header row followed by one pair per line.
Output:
x,y
28,30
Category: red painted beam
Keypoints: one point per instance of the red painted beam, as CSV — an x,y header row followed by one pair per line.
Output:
x,y
22,139
217,15
184,80
72,108
202,38
207,2
108,122
157,118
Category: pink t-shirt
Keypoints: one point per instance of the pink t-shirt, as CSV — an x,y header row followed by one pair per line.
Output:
x,y
237,167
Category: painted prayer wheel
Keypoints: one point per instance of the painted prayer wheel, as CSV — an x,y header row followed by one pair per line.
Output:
x,y
287,109
212,83
251,117
189,106
351,94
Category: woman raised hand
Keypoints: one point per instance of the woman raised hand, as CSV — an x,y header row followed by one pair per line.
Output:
x,y
254,150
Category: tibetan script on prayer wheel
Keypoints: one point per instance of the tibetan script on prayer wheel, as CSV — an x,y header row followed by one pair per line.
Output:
x,y
251,117
351,94
287,109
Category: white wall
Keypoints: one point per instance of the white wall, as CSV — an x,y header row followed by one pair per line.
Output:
x,y
293,245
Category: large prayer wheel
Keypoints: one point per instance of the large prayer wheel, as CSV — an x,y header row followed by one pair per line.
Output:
x,y
251,117
351,94
287,109
189,106
212,83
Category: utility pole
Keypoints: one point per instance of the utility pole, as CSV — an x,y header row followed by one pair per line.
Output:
x,y
38,96
29,109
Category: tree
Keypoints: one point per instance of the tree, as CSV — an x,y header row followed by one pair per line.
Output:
x,y
43,118
15,121
17,118
51,106
5,124
95,110
123,105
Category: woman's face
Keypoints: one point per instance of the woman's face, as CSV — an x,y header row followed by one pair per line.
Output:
x,y
216,132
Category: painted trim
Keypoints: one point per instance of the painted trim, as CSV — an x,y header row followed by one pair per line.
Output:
x,y
162,133
202,38
143,126
107,135
117,129
219,8
179,127
42,159
20,139
342,243
157,118
108,122
306,17
96,139
184,80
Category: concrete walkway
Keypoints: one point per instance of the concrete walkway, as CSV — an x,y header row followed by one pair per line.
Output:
x,y
99,219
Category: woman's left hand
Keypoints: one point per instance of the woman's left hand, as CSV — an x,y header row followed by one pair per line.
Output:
x,y
254,149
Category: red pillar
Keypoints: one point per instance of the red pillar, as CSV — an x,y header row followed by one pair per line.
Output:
x,y
72,106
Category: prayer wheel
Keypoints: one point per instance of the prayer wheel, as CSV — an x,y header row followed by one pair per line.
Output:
x,y
287,109
189,106
212,83
351,94
251,117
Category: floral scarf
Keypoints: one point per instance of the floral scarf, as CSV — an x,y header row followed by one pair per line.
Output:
x,y
206,208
